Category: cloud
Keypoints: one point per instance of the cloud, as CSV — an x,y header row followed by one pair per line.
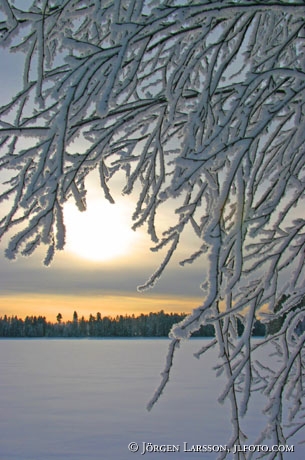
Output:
x,y
26,276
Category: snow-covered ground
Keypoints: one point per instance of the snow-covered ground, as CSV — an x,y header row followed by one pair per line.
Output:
x,y
86,400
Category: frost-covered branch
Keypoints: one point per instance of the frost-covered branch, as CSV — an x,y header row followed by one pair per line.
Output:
x,y
200,104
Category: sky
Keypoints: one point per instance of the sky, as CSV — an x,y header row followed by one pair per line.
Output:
x,y
99,270
104,260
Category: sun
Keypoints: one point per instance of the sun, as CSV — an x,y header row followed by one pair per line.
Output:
x,y
101,233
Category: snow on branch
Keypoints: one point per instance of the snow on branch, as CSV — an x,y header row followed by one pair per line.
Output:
x,y
200,104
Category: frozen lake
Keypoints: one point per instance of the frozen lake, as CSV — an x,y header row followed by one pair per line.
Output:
x,y
86,400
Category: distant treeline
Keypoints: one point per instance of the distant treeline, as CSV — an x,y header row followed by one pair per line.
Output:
x,y
144,325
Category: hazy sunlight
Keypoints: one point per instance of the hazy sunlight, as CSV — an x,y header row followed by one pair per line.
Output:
x,y
101,233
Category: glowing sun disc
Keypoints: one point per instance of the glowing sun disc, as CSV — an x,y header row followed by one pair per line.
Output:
x,y
100,233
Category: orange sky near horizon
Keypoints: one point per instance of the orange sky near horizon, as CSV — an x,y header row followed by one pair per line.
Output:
x,y
49,305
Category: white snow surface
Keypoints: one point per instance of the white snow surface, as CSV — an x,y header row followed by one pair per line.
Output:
x,y
79,399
